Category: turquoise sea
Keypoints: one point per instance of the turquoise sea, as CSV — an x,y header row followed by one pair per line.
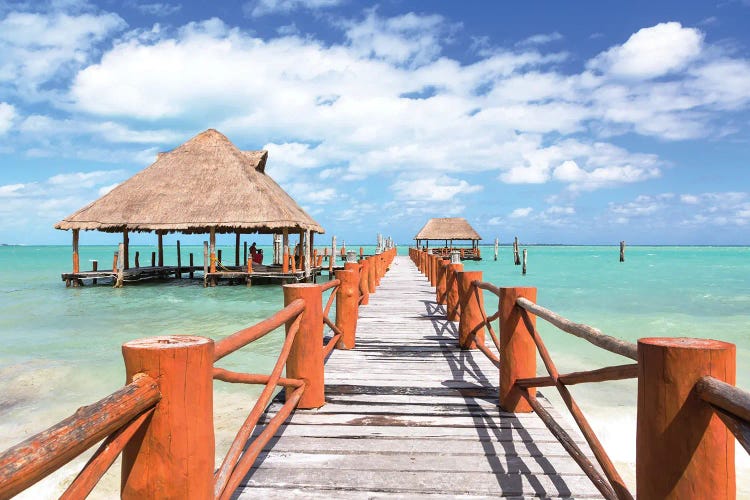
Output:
x,y
60,347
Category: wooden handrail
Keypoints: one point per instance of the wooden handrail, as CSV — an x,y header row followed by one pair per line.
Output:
x,y
243,337
487,286
619,372
726,397
591,334
41,454
329,285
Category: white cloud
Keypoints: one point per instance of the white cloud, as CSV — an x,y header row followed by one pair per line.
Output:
x,y
690,199
520,213
34,47
687,210
541,39
651,52
260,8
159,9
432,189
7,114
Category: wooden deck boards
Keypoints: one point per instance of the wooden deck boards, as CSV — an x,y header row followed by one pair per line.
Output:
x,y
410,415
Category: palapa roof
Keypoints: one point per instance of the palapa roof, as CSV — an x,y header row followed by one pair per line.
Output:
x,y
447,228
207,182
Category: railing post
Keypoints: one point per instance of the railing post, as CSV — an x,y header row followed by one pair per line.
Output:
x,y
517,349
347,304
364,286
433,269
305,359
470,324
683,450
451,284
372,282
440,290
173,457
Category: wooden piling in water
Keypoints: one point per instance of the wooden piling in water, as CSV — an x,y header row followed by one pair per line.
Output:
x,y
305,359
125,250
525,255
191,265
497,244
137,259
622,251
173,455
516,257
683,449
471,323
120,265
160,248
178,272
153,259
205,263
76,258
94,267
517,349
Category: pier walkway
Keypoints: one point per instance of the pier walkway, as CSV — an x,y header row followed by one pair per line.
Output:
x,y
409,414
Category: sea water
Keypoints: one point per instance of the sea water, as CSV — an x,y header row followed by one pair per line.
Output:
x,y
60,347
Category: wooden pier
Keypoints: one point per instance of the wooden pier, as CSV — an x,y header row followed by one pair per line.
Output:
x,y
409,413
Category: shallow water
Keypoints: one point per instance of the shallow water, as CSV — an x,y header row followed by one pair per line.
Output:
x,y
60,348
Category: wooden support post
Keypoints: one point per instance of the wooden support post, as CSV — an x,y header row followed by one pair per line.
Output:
x,y
219,260
471,323
206,263
120,265
305,359
517,349
332,260
114,263
76,258
361,253
137,259
161,248
178,273
525,256
683,449
212,242
516,257
451,285
372,281
497,244
441,289
347,304
285,260
622,251
244,252
237,249
173,455
94,267
153,259
126,250
364,287
191,265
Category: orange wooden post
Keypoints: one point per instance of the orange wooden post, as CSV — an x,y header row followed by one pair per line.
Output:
x,y
114,262
249,263
364,286
306,356
285,261
433,269
440,290
173,457
470,324
451,284
372,283
683,450
517,349
347,304
422,256
294,263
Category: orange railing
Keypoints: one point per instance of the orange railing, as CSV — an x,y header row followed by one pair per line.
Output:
x,y
162,420
679,382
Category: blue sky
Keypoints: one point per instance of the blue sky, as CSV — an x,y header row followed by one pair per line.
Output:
x,y
559,122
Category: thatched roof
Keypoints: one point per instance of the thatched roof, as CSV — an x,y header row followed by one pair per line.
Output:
x,y
207,182
450,228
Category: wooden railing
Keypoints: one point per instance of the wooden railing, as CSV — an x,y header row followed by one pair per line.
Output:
x,y
162,420
689,411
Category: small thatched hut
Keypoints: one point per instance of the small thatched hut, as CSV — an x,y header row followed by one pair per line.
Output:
x,y
448,230
207,185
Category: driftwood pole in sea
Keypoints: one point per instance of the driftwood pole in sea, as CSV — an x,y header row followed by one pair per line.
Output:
x,y
622,251
496,247
516,257
525,255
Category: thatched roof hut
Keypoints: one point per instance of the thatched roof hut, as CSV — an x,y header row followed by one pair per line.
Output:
x,y
448,228
205,183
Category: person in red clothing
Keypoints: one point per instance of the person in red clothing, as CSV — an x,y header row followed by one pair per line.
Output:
x,y
256,254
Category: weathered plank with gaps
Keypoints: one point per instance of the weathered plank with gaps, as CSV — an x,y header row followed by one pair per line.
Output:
x,y
409,414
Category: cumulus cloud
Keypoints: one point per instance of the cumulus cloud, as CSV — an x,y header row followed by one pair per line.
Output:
x,y
432,189
687,210
260,8
158,9
651,52
520,213
541,39
7,114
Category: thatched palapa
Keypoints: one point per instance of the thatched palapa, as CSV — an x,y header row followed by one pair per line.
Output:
x,y
205,183
449,228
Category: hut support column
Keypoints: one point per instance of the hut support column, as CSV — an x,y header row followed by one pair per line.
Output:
x,y
76,260
126,250
306,250
237,248
212,239
161,248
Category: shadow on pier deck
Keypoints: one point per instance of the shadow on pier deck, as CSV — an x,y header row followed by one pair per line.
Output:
x,y
408,413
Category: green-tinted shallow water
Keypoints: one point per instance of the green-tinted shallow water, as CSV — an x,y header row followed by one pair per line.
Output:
x,y
60,348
